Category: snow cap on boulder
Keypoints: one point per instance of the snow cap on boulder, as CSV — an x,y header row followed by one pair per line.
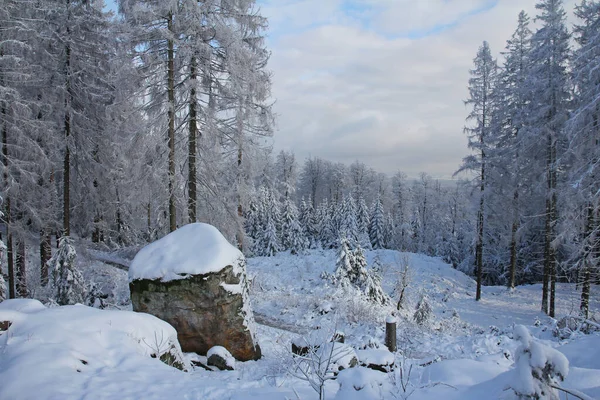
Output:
x,y
193,249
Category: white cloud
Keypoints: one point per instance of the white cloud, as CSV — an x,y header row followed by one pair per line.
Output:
x,y
346,90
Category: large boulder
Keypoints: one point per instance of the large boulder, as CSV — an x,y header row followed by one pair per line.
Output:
x,y
195,279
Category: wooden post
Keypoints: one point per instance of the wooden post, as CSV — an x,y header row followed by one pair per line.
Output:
x,y
390,333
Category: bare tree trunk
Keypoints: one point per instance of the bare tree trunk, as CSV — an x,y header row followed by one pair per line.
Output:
x,y
149,216
67,159
193,131
171,117
588,254
546,273
240,210
45,255
554,222
549,278
480,229
21,269
513,243
11,264
7,206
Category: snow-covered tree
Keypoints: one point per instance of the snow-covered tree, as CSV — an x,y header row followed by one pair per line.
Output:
x,y
549,91
481,85
344,266
292,234
377,225
423,312
348,226
68,284
583,131
328,232
351,272
539,368
309,223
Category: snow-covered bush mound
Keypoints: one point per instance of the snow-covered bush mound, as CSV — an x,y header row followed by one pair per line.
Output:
x,y
176,256
63,351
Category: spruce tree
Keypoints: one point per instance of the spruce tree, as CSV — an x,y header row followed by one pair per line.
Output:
x,y
377,226
344,266
68,284
348,224
292,235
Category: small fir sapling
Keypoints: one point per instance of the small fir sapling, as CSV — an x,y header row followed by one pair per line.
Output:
x,y
69,286
424,312
270,241
539,368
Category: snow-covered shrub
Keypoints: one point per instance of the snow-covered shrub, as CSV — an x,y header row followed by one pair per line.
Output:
x,y
320,360
538,368
360,383
68,284
568,326
423,313
95,298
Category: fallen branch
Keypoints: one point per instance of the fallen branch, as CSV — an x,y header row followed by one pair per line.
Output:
x,y
573,392
587,321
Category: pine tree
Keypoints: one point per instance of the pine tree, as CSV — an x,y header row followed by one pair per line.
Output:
x,y
363,220
344,266
348,225
309,223
483,77
423,312
292,238
328,232
68,284
377,226
368,281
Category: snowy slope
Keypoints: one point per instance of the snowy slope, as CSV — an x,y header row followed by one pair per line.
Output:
x,y
465,351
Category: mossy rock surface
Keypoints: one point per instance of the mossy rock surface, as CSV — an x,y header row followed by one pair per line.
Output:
x,y
203,309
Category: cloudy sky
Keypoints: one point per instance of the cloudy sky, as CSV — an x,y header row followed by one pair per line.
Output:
x,y
381,81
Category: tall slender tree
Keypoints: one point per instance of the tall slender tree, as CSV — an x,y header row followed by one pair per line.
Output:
x,y
481,86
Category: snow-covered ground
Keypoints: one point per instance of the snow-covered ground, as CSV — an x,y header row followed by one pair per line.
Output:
x,y
466,350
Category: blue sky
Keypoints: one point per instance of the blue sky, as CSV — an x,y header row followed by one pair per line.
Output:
x,y
382,81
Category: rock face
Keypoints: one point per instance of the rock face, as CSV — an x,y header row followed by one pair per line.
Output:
x,y
207,305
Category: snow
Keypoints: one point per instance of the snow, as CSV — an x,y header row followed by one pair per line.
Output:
x,y
468,351
194,249
390,319
360,384
63,352
376,356
232,288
